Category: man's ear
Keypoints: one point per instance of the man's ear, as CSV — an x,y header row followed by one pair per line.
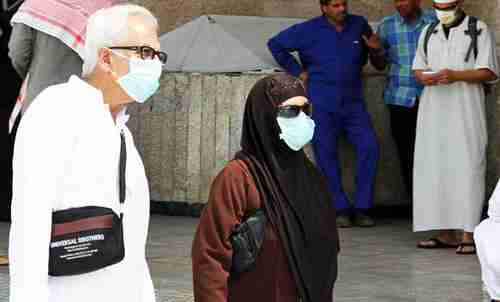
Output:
x,y
104,59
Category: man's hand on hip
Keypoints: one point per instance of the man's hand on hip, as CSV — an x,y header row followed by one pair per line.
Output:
x,y
373,43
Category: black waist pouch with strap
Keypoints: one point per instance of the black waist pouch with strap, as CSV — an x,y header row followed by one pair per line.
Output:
x,y
87,239
246,240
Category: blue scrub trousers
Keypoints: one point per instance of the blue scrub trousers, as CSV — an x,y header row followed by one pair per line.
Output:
x,y
350,118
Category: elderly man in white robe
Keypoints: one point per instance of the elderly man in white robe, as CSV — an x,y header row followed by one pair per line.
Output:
x,y
450,150
488,247
67,153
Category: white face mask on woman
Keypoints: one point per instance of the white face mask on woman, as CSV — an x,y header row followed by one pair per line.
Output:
x,y
297,131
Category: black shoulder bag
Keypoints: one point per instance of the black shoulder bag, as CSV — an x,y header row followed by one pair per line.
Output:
x,y
246,240
87,239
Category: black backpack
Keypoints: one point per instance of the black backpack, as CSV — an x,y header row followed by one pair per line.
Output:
x,y
472,31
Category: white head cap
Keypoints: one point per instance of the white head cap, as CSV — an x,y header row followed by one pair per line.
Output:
x,y
444,1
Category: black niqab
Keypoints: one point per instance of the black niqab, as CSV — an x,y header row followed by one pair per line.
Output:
x,y
295,195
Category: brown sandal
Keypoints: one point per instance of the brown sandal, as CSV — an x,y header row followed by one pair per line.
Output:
x,y
461,246
4,260
436,243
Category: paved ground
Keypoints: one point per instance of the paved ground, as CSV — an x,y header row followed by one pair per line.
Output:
x,y
375,265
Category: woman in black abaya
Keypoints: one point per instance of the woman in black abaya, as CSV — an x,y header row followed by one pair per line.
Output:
x,y
298,258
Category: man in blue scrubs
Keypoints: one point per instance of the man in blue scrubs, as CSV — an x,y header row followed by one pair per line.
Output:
x,y
333,48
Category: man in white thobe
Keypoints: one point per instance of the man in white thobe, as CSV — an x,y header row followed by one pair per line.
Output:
x,y
488,247
67,153
450,151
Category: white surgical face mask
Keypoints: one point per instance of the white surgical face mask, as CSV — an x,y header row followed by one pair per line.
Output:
x,y
446,17
143,78
297,131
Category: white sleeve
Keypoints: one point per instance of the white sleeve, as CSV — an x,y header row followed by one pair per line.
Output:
x,y
136,219
148,291
420,62
479,249
487,55
41,142
484,235
483,264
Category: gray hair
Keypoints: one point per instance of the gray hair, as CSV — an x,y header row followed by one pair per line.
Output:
x,y
108,26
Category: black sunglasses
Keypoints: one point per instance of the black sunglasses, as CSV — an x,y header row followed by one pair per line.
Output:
x,y
449,8
291,111
146,52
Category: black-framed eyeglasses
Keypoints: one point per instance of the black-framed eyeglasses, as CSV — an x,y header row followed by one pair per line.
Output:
x,y
291,111
146,52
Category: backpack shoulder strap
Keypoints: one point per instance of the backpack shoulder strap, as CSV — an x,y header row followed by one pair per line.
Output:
x,y
474,33
430,31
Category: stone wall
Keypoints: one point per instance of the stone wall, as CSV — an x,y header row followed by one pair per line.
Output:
x,y
173,13
188,132
192,127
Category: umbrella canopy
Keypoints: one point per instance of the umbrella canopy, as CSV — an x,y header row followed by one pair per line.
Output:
x,y
214,43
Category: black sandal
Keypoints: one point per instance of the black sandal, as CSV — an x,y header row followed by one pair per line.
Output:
x,y
461,246
436,244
